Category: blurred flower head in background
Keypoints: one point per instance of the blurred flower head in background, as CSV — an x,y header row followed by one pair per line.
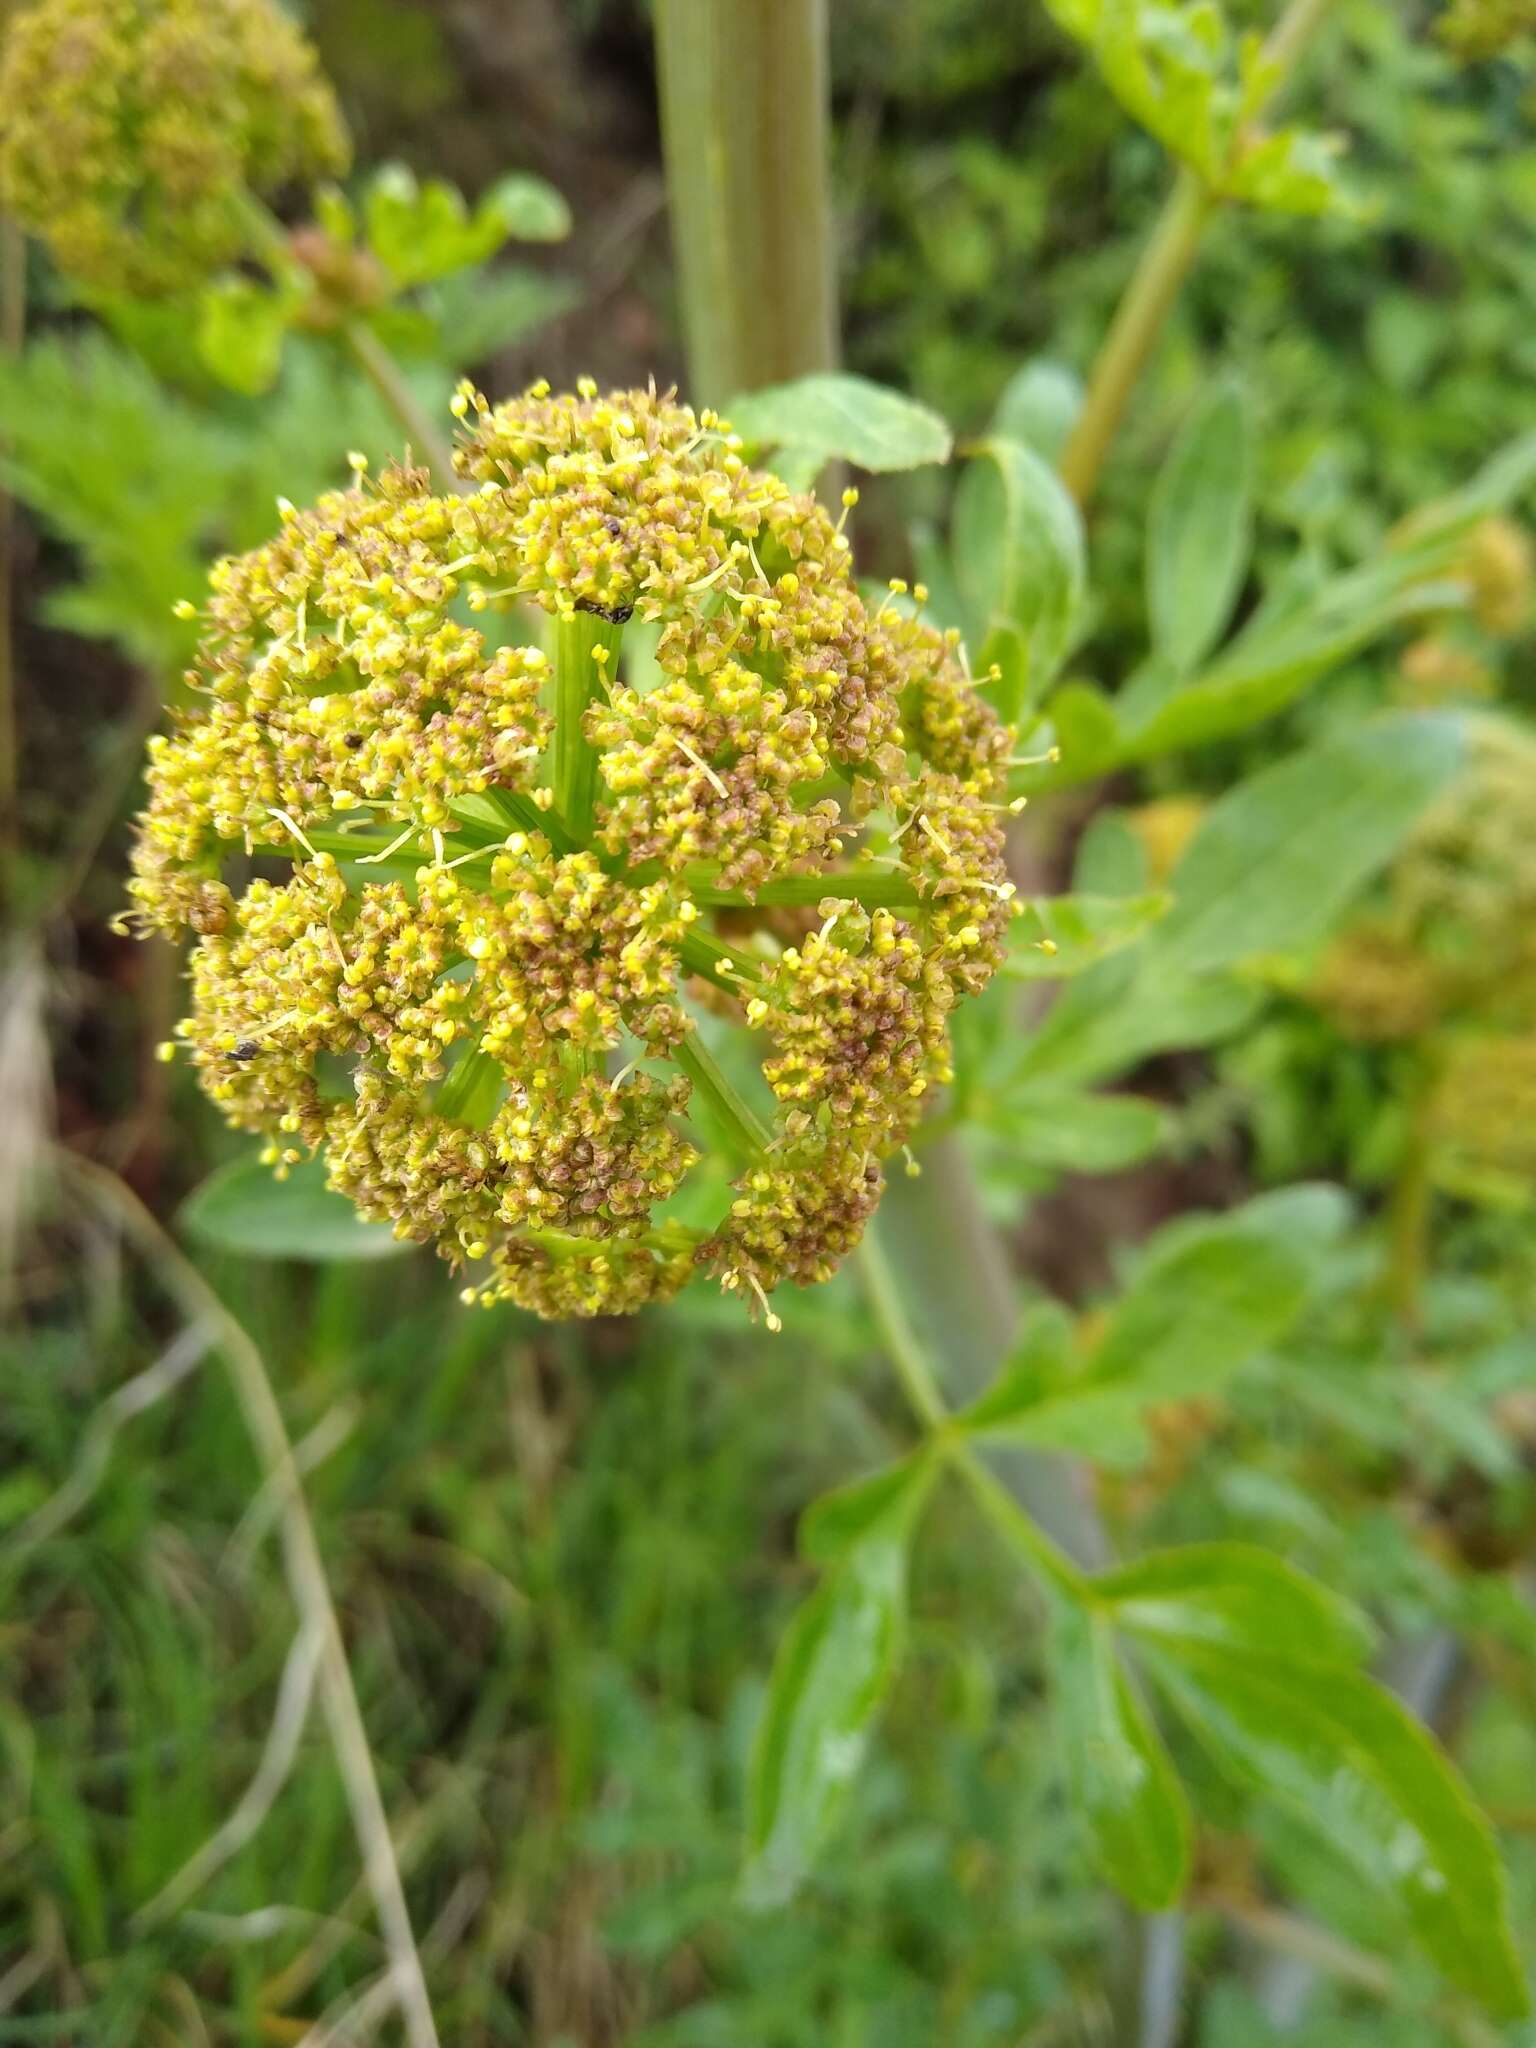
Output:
x,y
134,133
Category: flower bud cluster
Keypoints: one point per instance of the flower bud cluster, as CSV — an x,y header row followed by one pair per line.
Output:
x,y
133,131
484,1012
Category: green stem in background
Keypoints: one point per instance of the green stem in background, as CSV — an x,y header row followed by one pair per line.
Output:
x,y
586,655
959,1290
1139,319
727,966
1160,272
268,242
1018,1529
13,319
384,373
745,133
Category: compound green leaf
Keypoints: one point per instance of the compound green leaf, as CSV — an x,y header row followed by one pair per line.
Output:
x,y
1127,1008
423,231
240,331
1209,1295
1173,68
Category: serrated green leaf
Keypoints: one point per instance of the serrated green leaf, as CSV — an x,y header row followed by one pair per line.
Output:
x,y
1349,1761
1200,1306
240,330
830,1678
833,417
1235,1594
1022,569
1277,858
243,1207
1078,931
1199,528
1118,1772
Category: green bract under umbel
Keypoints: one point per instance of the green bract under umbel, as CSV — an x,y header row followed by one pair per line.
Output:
x,y
513,889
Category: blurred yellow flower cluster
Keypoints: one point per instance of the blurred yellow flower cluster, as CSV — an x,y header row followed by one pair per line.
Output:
x,y
133,133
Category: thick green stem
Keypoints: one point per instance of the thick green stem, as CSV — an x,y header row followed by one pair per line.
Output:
x,y
13,317
1164,264
744,115
586,654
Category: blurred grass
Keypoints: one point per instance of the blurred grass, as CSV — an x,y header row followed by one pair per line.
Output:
x,y
562,1567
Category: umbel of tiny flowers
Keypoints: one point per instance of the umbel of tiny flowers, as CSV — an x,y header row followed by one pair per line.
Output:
x,y
134,134
474,923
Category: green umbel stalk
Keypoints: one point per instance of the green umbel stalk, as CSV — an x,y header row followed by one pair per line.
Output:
x,y
744,116
586,656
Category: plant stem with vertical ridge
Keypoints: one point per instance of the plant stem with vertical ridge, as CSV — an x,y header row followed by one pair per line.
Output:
x,y
586,655
745,130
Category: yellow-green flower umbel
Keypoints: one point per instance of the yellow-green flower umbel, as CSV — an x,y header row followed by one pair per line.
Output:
x,y
597,967
133,133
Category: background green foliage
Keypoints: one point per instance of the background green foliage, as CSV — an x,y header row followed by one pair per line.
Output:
x,y
567,1558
